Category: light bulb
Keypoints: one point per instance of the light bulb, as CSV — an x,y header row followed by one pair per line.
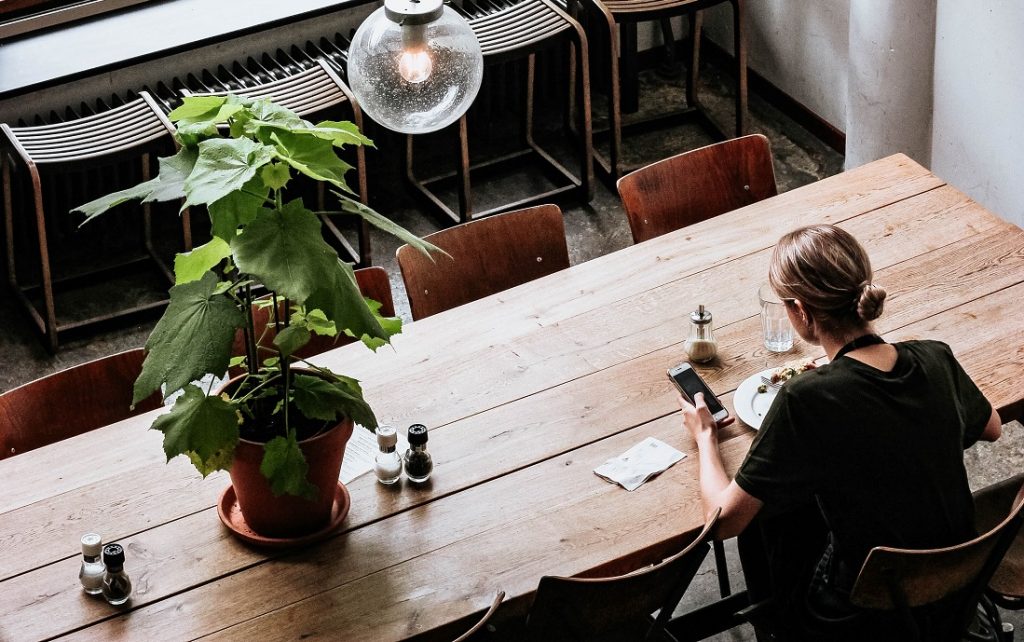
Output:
x,y
415,66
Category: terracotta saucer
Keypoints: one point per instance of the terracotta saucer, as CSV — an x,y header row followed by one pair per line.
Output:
x,y
231,515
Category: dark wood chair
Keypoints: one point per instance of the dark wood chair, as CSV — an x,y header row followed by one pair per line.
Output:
x,y
71,402
933,594
515,30
614,27
486,256
373,283
479,628
1006,588
49,169
617,608
317,90
694,186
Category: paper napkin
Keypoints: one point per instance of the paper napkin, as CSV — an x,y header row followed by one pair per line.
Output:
x,y
638,464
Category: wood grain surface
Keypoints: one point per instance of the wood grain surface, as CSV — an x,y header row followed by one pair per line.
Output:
x,y
525,392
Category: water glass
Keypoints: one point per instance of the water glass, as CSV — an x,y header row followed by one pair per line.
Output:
x,y
778,332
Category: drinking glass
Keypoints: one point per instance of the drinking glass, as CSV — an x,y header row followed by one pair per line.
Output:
x,y
778,332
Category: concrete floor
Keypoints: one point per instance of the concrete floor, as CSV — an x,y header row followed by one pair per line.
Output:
x,y
593,229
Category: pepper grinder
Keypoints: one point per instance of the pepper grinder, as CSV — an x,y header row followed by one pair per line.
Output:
x,y
117,587
418,463
701,345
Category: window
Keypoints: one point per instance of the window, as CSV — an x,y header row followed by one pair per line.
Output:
x,y
19,17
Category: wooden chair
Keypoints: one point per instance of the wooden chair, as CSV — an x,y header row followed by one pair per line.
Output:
x,y
316,90
616,608
614,18
694,186
934,593
475,632
513,30
373,283
38,164
71,402
1006,588
486,256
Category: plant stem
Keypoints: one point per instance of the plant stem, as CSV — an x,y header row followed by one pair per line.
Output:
x,y
265,199
262,384
251,357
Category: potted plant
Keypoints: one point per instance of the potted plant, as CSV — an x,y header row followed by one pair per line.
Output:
x,y
281,427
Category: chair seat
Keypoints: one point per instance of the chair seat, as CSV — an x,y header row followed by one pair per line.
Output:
x,y
622,7
990,506
520,26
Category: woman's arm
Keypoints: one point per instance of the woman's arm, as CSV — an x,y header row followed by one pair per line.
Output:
x,y
716,489
994,427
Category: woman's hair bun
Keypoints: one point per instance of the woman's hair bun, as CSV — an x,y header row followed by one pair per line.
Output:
x,y
871,302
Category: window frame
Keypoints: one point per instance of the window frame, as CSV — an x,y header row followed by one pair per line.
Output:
x,y
56,16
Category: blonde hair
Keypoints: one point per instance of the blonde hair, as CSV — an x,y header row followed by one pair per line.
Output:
x,y
826,269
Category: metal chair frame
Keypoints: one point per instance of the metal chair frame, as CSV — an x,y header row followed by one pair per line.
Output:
x,y
42,149
312,90
511,33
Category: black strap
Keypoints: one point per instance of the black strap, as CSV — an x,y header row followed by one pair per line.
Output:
x,y
860,342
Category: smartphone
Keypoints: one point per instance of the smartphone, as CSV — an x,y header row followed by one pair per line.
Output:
x,y
690,383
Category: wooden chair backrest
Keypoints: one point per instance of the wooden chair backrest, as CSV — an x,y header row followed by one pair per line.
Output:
x,y
567,608
992,504
896,579
468,636
486,256
71,402
373,283
694,186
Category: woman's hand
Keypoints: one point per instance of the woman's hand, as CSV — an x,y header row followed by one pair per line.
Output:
x,y
697,418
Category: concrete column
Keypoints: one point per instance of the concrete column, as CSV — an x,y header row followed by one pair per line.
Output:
x,y
892,55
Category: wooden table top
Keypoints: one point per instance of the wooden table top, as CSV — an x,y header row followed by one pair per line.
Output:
x,y
525,393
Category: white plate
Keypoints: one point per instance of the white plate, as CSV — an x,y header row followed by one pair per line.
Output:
x,y
750,405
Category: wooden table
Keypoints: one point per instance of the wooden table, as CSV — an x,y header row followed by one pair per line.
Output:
x,y
525,392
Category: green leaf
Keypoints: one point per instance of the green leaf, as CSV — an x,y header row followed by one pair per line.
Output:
x,y
190,266
204,428
275,175
193,338
224,166
352,206
314,157
291,339
167,186
236,361
191,134
285,250
285,468
318,398
338,296
318,323
340,133
195,107
237,209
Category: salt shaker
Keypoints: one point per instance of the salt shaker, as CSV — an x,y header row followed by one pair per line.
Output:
x,y
91,573
388,463
418,464
701,345
117,587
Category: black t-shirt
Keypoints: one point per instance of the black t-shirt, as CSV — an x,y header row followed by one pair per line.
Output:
x,y
881,452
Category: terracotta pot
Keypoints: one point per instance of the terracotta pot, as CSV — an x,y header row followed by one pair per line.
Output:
x,y
288,515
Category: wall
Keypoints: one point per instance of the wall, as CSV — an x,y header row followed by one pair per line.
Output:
x,y
977,139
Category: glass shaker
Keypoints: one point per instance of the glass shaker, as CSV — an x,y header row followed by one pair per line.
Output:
x,y
388,462
418,463
701,344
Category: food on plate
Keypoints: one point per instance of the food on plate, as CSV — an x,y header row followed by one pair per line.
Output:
x,y
786,372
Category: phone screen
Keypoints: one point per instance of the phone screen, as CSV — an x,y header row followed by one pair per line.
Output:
x,y
691,383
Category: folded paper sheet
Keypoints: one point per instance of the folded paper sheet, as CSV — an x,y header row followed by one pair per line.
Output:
x,y
638,464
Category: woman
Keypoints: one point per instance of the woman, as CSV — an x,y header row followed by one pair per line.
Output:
x,y
875,437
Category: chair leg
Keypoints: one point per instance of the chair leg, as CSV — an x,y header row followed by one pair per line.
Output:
x,y
44,263
12,275
586,124
693,73
629,78
465,196
740,50
614,112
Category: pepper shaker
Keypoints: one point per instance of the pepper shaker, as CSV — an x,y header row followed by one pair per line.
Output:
x,y
701,345
91,573
418,463
117,587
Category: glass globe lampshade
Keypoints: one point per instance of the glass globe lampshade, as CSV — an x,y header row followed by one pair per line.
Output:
x,y
415,66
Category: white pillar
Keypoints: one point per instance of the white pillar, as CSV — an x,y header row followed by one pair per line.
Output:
x,y
892,55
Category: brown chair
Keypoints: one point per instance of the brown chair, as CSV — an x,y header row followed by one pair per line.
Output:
x,y
475,632
694,186
49,169
607,15
71,402
515,30
934,593
486,256
617,608
316,90
373,283
1006,588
